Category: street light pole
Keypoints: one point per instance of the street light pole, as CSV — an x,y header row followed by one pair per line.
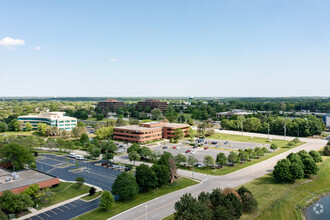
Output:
x,y
242,126
268,133
146,212
284,130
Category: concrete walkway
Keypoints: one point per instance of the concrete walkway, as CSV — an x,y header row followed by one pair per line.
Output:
x,y
37,212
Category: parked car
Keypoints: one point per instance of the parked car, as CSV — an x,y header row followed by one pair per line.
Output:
x,y
226,142
128,168
199,165
214,142
217,146
72,155
195,146
174,147
164,147
188,151
80,157
193,151
205,148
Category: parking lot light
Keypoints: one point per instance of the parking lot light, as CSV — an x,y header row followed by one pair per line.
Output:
x,y
146,212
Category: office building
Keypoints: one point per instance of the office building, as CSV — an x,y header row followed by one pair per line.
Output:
x,y
111,105
238,112
149,131
58,119
152,103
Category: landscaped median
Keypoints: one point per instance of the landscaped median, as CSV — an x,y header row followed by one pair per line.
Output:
x,y
281,144
121,206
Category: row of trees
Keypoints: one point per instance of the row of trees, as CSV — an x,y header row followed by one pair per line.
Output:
x,y
227,204
301,127
297,166
146,178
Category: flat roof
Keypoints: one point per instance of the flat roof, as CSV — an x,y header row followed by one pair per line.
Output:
x,y
27,177
175,125
137,128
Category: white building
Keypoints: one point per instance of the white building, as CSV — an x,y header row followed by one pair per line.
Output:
x,y
58,119
238,112
326,118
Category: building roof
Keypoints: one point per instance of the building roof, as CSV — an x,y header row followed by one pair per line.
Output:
x,y
175,125
136,128
142,128
27,177
48,115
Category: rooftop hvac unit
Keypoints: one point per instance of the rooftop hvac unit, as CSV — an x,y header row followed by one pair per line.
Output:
x,y
0,181
13,174
7,179
16,177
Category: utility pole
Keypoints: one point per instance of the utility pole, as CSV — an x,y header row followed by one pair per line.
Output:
x,y
268,133
284,130
242,126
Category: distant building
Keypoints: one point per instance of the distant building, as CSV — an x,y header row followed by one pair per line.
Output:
x,y
149,131
18,181
58,119
152,103
111,105
238,112
326,119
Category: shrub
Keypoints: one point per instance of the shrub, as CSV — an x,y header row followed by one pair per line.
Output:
x,y
316,156
92,191
106,200
79,181
273,146
326,150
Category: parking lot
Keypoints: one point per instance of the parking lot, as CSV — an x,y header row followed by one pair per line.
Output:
x,y
218,146
65,168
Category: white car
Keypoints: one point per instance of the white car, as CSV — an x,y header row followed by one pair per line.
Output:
x,y
72,155
193,152
80,157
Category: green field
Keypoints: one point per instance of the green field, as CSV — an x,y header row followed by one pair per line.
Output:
x,y
64,192
121,206
27,133
285,203
282,144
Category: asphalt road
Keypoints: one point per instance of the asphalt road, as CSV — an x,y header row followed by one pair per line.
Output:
x,y
163,206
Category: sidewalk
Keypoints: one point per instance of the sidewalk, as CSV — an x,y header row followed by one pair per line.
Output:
x,y
37,212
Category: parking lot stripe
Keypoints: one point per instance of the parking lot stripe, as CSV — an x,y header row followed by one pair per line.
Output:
x,y
53,212
72,205
46,214
66,207
39,217
59,209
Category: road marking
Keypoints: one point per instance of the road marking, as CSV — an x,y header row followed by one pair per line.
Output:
x,y
39,217
53,212
60,209
72,205
46,214
66,207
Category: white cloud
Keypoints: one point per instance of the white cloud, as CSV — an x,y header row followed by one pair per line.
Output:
x,y
37,48
113,59
7,41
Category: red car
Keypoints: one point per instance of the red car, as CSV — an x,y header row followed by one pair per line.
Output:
x,y
174,147
188,151
205,148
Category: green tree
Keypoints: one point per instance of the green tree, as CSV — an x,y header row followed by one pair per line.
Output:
x,y
221,159
326,150
282,171
243,155
192,160
178,134
125,186
316,156
3,127
235,205
104,133
84,139
170,114
133,156
99,117
144,152
273,146
208,160
250,204
108,156
296,171
162,174
16,154
14,203
28,126
3,216
80,181
156,114
145,178
310,167
106,200
135,147
42,127
32,191
180,159
120,122
232,157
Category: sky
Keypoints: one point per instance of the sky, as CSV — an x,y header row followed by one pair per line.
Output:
x,y
222,48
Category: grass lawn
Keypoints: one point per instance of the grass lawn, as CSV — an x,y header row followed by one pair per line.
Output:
x,y
27,133
88,197
285,203
121,206
64,192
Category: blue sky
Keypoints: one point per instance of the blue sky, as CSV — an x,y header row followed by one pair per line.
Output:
x,y
165,48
